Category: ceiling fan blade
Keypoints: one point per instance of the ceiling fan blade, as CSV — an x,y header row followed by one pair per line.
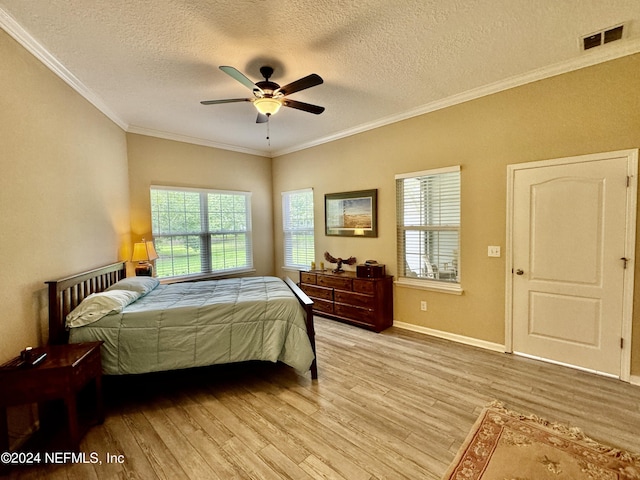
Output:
x,y
307,107
306,82
262,118
239,76
228,100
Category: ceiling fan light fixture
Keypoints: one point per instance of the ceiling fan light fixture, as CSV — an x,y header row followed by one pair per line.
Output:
x,y
267,105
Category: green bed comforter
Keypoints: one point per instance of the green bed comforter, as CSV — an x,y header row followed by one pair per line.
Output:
x,y
185,325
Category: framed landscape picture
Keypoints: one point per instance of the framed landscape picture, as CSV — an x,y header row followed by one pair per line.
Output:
x,y
351,214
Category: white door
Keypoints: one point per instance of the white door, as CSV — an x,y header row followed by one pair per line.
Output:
x,y
569,244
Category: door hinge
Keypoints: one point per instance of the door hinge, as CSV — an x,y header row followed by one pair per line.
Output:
x,y
625,260
622,343
628,181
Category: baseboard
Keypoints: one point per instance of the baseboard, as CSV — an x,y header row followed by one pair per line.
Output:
x,y
454,337
24,437
568,365
475,342
23,424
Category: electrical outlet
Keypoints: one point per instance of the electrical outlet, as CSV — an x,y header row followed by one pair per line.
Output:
x,y
493,251
423,306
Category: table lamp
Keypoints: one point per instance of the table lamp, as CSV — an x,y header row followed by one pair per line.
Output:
x,y
143,253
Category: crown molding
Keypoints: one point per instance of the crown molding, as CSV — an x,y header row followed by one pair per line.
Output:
x,y
194,140
24,38
587,59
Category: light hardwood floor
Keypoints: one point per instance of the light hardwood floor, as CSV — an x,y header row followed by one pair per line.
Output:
x,y
395,405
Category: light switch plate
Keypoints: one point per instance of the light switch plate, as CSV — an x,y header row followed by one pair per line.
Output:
x,y
493,251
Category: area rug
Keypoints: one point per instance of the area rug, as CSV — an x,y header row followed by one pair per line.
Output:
x,y
505,445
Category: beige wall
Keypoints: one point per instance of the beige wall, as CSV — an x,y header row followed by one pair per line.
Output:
x,y
64,191
154,161
64,197
64,188
592,110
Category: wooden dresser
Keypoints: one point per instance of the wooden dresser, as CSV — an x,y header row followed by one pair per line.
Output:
x,y
365,302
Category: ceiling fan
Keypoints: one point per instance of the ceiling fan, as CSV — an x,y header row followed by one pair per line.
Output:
x,y
268,96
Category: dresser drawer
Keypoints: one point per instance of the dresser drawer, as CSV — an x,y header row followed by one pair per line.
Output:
x,y
308,278
364,286
318,292
363,315
357,299
335,282
324,306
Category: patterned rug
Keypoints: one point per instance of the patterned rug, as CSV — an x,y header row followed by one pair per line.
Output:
x,y
505,445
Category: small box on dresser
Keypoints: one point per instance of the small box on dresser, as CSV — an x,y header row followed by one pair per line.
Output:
x,y
370,270
365,302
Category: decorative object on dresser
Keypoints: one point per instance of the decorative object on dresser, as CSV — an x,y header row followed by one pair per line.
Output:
x,y
144,253
365,302
351,214
329,258
370,269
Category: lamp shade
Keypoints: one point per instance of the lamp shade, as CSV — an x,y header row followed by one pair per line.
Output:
x,y
143,252
267,105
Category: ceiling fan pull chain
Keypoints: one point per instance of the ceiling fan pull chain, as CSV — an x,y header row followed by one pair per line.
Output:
x,y
268,134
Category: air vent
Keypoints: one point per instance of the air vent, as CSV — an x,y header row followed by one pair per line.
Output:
x,y
600,38
613,34
592,41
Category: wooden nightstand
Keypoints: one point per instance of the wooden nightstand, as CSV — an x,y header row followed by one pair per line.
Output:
x,y
66,370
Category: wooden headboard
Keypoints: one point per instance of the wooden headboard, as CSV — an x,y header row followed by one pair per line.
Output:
x,y
65,295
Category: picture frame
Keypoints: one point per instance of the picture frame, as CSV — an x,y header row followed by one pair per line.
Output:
x,y
351,214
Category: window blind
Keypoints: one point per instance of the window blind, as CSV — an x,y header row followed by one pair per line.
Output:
x,y
428,218
201,231
298,228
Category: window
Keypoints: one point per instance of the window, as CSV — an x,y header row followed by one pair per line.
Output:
x,y
428,216
200,232
297,223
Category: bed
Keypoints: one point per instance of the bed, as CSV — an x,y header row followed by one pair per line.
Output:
x,y
148,327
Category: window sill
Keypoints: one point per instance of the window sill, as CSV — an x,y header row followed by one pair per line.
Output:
x,y
451,288
290,268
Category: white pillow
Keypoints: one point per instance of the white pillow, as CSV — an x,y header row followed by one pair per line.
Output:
x,y
142,285
97,305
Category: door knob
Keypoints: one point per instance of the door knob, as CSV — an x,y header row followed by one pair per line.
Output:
x,y
519,272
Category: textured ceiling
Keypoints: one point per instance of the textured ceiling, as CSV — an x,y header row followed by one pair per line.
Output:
x,y
148,63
